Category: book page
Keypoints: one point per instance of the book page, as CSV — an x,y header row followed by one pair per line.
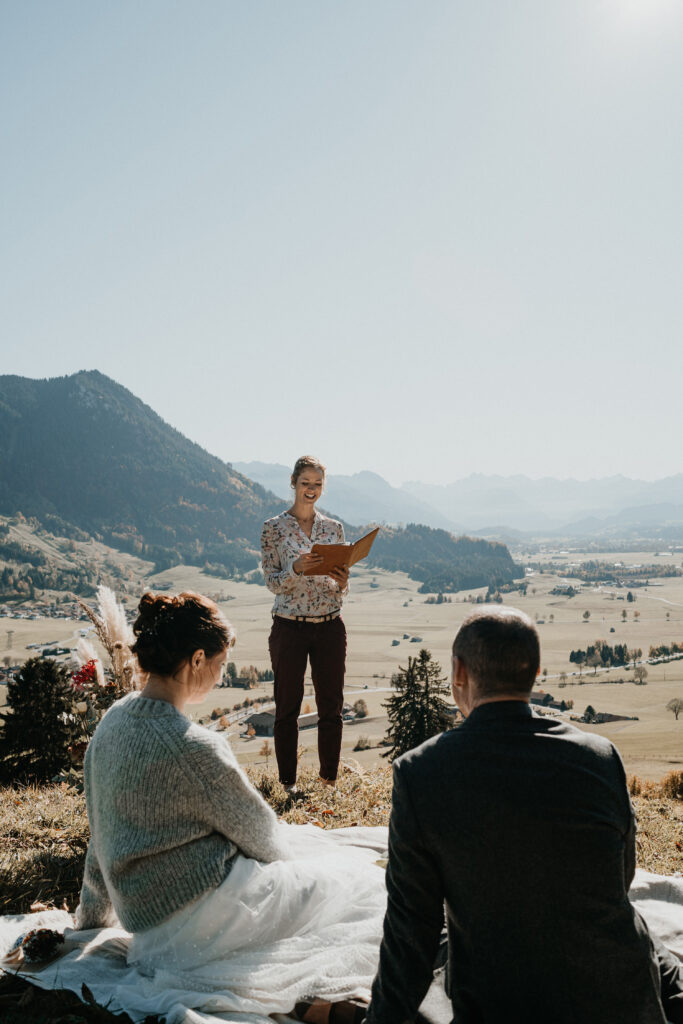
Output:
x,y
361,549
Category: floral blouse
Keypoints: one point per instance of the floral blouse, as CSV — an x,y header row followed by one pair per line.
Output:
x,y
282,541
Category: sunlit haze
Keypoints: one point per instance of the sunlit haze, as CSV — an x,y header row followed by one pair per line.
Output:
x,y
423,239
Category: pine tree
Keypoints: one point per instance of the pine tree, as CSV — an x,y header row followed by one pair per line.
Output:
x,y
416,711
36,733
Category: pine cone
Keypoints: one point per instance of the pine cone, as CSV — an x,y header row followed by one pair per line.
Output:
x,y
41,944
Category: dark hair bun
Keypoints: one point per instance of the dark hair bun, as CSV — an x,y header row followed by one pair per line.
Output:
x,y
169,630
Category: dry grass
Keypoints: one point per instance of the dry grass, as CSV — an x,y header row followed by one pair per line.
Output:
x,y
670,786
44,830
360,797
43,838
659,843
659,809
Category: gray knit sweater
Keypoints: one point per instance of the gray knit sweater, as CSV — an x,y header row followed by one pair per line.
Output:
x,y
169,808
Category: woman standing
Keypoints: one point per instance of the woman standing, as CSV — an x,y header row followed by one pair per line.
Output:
x,y
306,622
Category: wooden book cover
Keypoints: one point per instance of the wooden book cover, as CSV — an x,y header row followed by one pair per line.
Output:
x,y
341,554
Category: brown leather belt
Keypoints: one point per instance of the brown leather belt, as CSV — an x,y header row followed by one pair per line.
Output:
x,y
307,618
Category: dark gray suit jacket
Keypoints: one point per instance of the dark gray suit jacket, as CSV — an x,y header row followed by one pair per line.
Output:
x,y
524,827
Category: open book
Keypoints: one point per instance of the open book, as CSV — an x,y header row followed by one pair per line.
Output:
x,y
341,554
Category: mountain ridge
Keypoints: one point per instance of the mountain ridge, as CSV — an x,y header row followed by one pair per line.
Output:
x,y
139,483
358,498
547,504
82,452
497,506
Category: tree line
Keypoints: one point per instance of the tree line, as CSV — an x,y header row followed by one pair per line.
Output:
x,y
441,562
601,654
671,651
593,571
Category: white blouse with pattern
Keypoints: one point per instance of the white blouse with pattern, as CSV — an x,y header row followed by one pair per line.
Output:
x,y
282,541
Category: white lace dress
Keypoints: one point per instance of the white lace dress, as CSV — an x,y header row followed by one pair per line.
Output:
x,y
273,934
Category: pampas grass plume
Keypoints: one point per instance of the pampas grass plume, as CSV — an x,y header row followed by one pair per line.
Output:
x,y
114,617
115,635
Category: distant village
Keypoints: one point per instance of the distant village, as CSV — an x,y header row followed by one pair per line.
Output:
x,y
69,610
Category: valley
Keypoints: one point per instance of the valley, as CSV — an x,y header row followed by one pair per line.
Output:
x,y
385,607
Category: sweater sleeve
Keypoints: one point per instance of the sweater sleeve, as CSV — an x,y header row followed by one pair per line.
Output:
x,y
277,578
238,811
94,909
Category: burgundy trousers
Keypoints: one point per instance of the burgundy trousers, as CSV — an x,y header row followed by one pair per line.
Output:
x,y
291,645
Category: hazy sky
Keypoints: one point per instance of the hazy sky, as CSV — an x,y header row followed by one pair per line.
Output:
x,y
425,238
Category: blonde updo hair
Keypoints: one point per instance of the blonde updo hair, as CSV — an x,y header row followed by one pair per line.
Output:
x,y
169,630
306,462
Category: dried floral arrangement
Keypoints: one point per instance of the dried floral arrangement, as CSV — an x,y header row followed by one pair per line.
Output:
x,y
115,635
96,685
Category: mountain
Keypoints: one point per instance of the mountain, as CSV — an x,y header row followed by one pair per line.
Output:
x,y
660,522
359,498
545,506
508,509
83,451
86,458
444,563
271,475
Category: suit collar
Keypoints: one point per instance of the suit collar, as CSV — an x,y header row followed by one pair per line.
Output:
x,y
499,711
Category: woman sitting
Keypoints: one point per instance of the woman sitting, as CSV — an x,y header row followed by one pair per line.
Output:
x,y
187,856
169,807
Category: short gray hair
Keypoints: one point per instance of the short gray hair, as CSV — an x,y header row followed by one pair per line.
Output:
x,y
500,649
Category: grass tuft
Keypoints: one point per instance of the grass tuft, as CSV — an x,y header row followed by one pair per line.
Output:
x,y
359,797
44,835
671,785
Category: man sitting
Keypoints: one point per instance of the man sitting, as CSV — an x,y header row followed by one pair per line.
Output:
x,y
524,827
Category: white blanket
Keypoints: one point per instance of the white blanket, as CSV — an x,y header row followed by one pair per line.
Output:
x,y
258,984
